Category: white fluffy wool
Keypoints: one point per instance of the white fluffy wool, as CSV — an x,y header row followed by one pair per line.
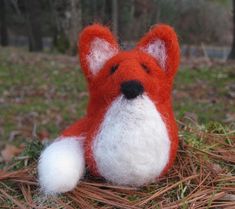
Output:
x,y
132,145
100,52
61,165
157,49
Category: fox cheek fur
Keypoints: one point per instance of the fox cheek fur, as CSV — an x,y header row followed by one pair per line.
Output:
x,y
129,134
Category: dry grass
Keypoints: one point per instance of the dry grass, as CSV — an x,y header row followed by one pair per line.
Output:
x,y
202,177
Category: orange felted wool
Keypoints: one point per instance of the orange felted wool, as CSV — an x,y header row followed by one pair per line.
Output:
x,y
128,135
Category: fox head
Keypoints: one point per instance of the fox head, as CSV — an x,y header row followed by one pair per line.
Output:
x,y
149,68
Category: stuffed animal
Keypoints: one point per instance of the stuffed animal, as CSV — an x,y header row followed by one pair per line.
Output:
x,y
129,134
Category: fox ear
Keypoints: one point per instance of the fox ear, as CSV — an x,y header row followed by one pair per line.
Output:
x,y
96,45
162,44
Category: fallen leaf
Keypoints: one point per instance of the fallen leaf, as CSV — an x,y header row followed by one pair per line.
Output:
x,y
10,151
230,117
43,135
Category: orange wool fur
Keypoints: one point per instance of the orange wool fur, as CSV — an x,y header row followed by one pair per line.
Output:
x,y
148,69
104,88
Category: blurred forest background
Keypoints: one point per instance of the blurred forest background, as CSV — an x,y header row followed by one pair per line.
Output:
x,y
55,24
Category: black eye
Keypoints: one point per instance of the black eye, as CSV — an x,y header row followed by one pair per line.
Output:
x,y
114,68
146,69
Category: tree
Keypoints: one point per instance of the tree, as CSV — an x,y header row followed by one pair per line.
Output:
x,y
33,13
68,23
75,24
232,53
115,16
3,23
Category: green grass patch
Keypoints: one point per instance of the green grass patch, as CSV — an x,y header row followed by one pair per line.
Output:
x,y
43,87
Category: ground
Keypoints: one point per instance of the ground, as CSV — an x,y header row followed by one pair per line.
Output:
x,y
41,94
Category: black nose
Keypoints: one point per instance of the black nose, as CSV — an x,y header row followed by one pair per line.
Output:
x,y
131,89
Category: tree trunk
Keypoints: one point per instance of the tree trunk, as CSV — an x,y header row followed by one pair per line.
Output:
x,y
33,13
115,17
3,23
56,26
130,25
75,24
232,53
94,10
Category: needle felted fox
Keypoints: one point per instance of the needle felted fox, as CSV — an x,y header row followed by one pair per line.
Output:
x,y
129,134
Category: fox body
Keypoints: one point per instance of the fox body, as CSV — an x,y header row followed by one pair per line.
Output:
x,y
129,134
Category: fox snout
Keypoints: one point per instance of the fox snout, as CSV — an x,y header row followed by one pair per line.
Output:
x,y
131,89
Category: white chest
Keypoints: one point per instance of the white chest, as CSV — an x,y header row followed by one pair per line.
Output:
x,y
132,144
